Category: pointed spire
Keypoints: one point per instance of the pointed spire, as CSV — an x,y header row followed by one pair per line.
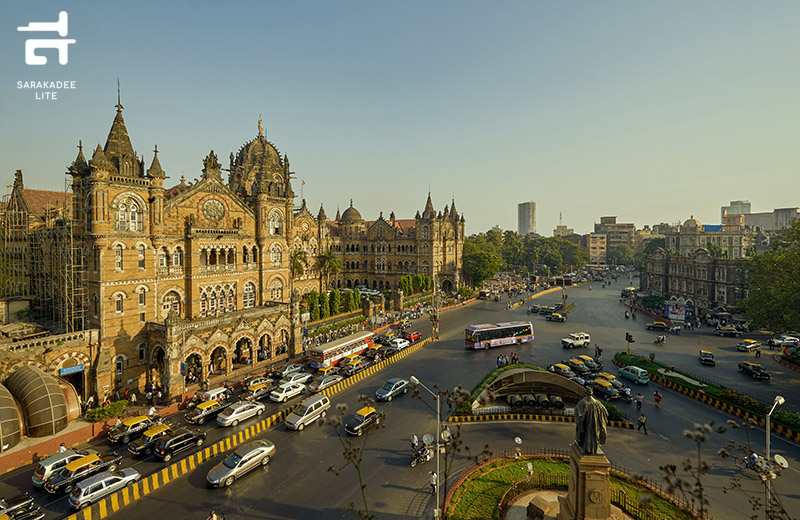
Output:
x,y
99,160
155,170
303,206
417,216
260,127
380,217
118,149
18,179
429,212
453,211
119,103
338,214
79,165
321,216
351,203
391,216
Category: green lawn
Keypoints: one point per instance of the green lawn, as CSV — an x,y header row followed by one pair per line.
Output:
x,y
479,496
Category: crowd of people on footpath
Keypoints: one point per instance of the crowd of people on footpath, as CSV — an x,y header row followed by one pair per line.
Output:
x,y
505,359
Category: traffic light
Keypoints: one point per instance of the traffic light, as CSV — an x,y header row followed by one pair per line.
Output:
x,y
629,337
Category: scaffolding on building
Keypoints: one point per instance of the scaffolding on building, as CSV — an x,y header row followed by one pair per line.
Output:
x,y
42,258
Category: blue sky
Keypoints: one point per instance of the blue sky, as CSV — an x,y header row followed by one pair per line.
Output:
x,y
651,111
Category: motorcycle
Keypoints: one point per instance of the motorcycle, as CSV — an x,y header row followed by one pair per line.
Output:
x,y
625,398
627,315
660,340
423,454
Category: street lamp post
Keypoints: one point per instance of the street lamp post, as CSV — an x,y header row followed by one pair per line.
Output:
x,y
416,381
778,401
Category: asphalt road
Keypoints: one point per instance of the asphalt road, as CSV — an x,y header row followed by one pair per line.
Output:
x,y
297,483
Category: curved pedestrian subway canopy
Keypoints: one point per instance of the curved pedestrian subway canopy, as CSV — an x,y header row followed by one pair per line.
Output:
x,y
10,421
44,408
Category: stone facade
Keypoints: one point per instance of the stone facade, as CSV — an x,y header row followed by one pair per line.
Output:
x,y
697,280
199,273
732,237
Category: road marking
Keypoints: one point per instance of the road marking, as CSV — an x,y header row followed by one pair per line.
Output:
x,y
145,487
183,466
102,508
664,437
175,473
126,499
136,491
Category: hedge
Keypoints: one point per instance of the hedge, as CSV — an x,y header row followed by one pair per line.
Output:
x,y
106,412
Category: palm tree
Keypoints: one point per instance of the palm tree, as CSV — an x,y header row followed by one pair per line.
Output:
x,y
298,261
329,264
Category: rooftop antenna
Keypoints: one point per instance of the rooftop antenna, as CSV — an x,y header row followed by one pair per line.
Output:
x,y
559,218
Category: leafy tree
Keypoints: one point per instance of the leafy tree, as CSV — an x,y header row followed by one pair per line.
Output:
x,y
347,301
716,251
620,255
466,293
418,283
650,247
356,300
479,264
324,305
773,283
653,302
313,305
329,264
335,302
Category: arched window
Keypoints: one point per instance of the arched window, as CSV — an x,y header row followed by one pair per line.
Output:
x,y
118,304
122,218
212,302
163,255
141,256
171,302
249,296
231,303
276,255
134,220
425,232
276,290
245,255
203,304
142,297
254,256
118,258
275,223
177,257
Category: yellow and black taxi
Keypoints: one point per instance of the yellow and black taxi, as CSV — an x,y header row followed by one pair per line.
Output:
x,y
611,378
556,316
144,445
562,370
204,411
78,470
131,428
754,370
657,325
365,418
707,358
604,389
577,366
747,345
259,391
727,330
594,365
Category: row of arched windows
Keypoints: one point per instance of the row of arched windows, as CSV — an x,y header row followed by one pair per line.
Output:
x,y
129,217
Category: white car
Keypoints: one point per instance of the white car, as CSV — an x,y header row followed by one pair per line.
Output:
x,y
232,415
299,378
286,391
399,343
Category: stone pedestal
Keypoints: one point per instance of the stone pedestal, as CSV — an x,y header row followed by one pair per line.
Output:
x,y
589,495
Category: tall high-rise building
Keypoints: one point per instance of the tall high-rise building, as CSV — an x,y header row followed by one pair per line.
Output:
x,y
526,218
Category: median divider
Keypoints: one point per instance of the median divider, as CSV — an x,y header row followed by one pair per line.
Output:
x,y
527,417
115,502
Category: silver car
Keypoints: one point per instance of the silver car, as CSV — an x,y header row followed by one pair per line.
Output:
x,y
98,486
286,391
232,415
299,378
324,383
246,457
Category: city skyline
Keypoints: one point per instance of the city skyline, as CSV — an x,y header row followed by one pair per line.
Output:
x,y
639,111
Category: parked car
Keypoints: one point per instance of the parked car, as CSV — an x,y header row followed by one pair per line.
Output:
x,y
9,506
286,371
391,388
79,469
754,370
577,366
604,389
178,441
562,370
244,459
783,340
611,378
635,374
238,412
299,378
204,411
365,418
747,345
727,331
285,392
149,439
657,325
707,358
324,383
55,463
592,364
131,428
412,335
103,484
556,317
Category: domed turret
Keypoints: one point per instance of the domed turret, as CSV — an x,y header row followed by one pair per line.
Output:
x,y
258,168
351,215
692,223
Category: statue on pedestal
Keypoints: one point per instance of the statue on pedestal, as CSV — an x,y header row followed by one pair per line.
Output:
x,y
591,418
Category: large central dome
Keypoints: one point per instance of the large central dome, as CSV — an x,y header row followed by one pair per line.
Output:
x,y
259,161
351,215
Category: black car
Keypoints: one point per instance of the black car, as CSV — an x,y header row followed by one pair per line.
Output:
x,y
34,513
148,440
657,325
754,370
79,469
10,506
179,440
365,418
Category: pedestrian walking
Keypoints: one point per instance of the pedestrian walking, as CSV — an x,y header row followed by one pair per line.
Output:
x,y
758,351
414,442
133,399
642,423
657,397
499,361
639,400
530,472
62,448
149,397
152,411
159,396
434,481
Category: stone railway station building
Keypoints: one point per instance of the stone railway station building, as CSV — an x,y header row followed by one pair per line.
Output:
x,y
118,288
